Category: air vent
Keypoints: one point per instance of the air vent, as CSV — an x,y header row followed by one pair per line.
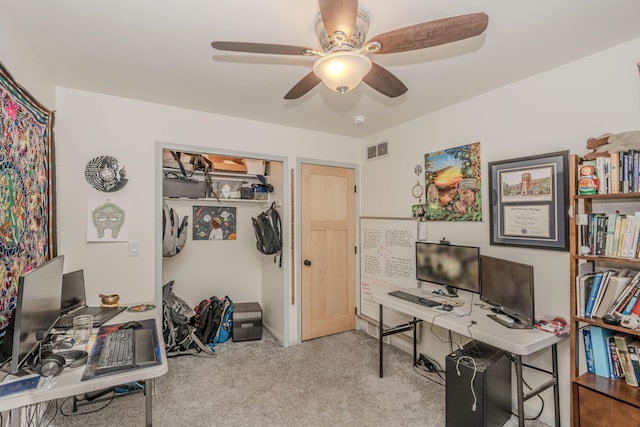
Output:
x,y
379,150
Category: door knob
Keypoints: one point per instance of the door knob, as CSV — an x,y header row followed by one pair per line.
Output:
x,y
307,262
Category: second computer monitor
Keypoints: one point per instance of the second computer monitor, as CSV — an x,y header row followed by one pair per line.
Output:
x,y
37,309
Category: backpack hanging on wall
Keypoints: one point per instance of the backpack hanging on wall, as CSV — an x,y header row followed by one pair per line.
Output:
x,y
174,231
268,229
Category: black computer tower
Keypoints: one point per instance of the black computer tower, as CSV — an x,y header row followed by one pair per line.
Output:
x,y
492,387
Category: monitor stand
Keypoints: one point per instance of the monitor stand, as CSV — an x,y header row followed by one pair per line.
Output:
x,y
452,292
513,324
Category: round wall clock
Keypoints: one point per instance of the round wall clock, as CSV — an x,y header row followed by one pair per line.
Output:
x,y
102,173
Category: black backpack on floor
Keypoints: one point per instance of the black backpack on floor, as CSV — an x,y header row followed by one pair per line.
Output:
x,y
207,319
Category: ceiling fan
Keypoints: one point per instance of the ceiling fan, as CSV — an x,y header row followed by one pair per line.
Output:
x,y
344,60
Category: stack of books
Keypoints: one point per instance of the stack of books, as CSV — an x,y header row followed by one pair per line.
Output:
x,y
607,292
612,355
618,173
610,234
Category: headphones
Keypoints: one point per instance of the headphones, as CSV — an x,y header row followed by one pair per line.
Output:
x,y
51,364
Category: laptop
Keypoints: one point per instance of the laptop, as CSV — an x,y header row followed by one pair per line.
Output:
x,y
74,303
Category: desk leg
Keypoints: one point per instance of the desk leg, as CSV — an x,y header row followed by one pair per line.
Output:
x,y
415,342
380,342
148,391
519,381
556,388
16,417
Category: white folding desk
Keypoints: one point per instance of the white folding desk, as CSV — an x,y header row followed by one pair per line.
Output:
x,y
519,342
69,383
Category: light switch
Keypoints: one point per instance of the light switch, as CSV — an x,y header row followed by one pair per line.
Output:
x,y
134,248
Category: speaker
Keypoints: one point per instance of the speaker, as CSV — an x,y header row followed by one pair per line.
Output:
x,y
51,364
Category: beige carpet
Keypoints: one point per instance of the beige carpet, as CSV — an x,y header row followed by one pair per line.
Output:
x,y
331,381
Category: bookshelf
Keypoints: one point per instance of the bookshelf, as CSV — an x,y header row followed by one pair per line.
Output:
x,y
595,398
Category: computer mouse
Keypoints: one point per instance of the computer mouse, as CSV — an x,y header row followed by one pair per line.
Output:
x,y
447,307
131,325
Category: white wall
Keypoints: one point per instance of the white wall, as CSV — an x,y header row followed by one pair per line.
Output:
x,y
24,66
554,111
89,124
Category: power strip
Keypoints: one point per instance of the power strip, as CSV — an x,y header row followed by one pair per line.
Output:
x,y
426,363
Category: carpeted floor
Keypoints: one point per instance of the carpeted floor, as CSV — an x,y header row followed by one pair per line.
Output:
x,y
330,381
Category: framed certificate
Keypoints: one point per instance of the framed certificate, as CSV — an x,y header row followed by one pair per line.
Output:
x,y
529,201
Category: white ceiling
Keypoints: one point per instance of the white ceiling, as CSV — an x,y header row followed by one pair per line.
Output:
x,y
159,51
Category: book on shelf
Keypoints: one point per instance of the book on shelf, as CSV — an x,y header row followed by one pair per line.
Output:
x,y
626,233
584,282
621,221
612,234
633,244
601,174
595,287
615,366
615,172
616,285
634,172
600,233
588,349
625,171
600,350
624,302
604,285
632,302
611,228
622,342
623,299
634,352
636,309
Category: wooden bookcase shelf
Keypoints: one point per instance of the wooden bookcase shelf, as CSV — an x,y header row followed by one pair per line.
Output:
x,y
595,398
618,390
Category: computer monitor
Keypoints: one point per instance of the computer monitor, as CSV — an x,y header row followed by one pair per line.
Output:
x,y
73,295
508,287
455,267
37,309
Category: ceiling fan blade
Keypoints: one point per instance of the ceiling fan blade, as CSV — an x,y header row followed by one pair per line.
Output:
x,y
307,83
383,81
432,33
276,49
339,15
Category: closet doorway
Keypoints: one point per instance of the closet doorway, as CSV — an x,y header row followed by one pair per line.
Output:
x,y
327,250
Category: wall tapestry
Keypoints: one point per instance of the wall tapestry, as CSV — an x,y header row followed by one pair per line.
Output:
x,y
452,183
107,221
27,200
214,223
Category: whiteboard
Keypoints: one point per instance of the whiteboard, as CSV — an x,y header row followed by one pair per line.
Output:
x,y
387,262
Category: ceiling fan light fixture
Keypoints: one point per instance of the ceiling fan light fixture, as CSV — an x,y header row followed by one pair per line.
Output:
x,y
342,71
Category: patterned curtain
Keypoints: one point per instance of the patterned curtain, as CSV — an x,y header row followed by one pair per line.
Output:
x,y
27,228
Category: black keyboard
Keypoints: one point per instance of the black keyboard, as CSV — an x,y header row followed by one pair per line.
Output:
x,y
415,299
125,349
